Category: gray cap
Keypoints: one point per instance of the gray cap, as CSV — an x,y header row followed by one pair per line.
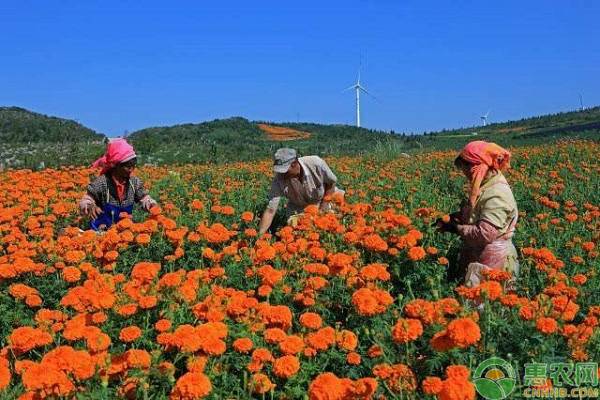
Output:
x,y
283,159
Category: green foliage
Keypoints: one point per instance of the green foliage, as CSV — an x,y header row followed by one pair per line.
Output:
x,y
18,125
35,141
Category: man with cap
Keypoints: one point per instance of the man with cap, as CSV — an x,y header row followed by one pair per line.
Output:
x,y
302,180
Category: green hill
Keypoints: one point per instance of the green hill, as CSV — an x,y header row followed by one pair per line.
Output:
x,y
237,139
570,121
29,139
18,125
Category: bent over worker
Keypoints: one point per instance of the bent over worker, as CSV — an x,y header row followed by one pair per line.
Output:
x,y
486,223
115,190
302,180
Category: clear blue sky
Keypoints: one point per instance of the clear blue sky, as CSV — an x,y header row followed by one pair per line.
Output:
x,y
117,65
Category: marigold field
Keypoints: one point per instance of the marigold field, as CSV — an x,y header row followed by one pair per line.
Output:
x,y
186,303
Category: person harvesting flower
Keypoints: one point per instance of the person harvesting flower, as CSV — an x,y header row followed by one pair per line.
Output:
x,y
303,181
486,222
115,191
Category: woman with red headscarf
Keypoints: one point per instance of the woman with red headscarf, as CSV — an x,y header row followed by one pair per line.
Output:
x,y
486,222
115,191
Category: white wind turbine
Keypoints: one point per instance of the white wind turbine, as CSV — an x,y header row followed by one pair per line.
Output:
x,y
485,117
358,88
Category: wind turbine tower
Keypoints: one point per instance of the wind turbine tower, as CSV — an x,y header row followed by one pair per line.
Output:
x,y
485,117
581,102
358,88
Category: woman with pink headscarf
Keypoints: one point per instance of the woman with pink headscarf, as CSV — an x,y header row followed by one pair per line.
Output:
x,y
486,222
115,191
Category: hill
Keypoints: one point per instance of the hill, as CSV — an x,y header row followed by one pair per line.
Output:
x,y
33,140
18,125
571,121
237,139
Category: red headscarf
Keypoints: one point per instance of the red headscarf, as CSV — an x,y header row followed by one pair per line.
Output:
x,y
117,151
484,156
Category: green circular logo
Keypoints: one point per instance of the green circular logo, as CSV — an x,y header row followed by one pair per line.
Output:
x,y
494,379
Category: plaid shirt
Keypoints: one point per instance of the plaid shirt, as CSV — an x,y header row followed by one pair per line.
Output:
x,y
103,191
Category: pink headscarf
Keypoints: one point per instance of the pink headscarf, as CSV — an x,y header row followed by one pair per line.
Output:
x,y
117,151
484,156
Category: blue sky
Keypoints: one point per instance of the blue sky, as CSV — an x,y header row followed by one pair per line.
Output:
x,y
126,65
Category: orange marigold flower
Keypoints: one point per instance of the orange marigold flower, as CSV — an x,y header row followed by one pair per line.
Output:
x,y
274,335
138,358
374,242
247,216
353,358
145,272
262,355
265,253
432,385
142,238
111,255
577,260
579,279
75,256
373,272
347,340
4,376
71,274
162,325
260,384
243,345
375,351
321,339
147,302
416,253
327,386
47,378
398,377
464,332
311,320
127,310
130,333
21,291
441,341
196,205
291,345
99,317
286,366
369,302
196,364
407,330
27,338
33,300
458,371
588,246
454,389
97,342
546,325
191,386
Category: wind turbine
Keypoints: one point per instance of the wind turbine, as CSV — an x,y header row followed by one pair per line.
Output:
x,y
358,88
581,102
485,117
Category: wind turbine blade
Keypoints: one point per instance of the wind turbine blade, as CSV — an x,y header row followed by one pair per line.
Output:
x,y
365,91
348,88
